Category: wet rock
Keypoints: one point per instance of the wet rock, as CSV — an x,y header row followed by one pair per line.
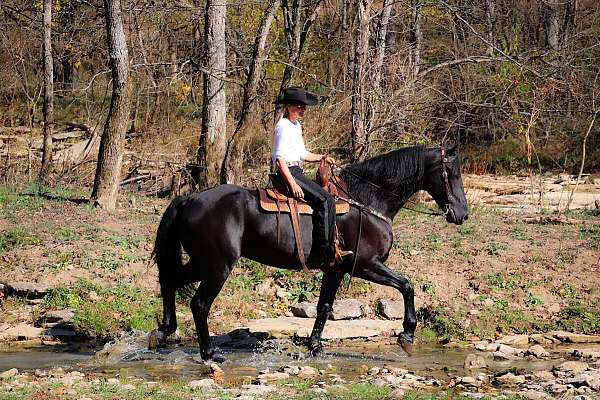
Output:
x,y
474,361
25,289
534,395
537,351
21,332
573,367
390,309
307,372
216,373
304,310
515,340
592,354
569,337
266,376
510,379
9,373
543,375
203,384
468,381
283,327
587,379
64,316
348,309
486,346
543,339
257,390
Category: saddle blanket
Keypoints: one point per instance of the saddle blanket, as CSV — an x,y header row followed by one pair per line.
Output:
x,y
272,201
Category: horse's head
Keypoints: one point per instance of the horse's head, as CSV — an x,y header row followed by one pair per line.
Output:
x,y
443,182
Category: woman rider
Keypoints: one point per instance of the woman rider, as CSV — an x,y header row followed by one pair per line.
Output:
x,y
289,155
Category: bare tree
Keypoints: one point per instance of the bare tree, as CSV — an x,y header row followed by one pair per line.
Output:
x,y
553,24
110,158
212,146
490,19
233,156
568,28
360,102
381,44
415,40
48,93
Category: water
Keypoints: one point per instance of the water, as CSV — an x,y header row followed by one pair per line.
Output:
x,y
129,357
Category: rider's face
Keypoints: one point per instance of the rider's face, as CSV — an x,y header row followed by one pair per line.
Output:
x,y
296,111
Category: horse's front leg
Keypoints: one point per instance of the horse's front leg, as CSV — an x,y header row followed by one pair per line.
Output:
x,y
329,286
377,272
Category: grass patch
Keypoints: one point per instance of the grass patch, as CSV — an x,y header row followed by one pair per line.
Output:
x,y
579,317
359,391
17,237
119,308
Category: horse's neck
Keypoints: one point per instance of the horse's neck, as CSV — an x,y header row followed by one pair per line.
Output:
x,y
386,200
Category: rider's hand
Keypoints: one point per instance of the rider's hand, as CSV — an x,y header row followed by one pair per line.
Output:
x,y
329,160
297,190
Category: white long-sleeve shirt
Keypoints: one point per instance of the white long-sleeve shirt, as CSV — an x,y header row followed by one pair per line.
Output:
x,y
289,142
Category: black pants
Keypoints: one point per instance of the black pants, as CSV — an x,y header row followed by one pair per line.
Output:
x,y
323,205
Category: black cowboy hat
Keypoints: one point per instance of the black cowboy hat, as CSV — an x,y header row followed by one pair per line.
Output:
x,y
297,95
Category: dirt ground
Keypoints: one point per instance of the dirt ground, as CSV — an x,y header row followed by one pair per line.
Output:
x,y
499,272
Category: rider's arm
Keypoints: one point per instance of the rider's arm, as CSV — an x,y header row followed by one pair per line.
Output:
x,y
313,157
285,172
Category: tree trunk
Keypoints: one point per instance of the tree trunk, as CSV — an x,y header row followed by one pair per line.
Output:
x,y
360,102
234,156
415,40
381,45
48,93
553,26
211,150
110,158
568,29
490,19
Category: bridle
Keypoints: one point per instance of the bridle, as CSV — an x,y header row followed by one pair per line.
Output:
x,y
444,161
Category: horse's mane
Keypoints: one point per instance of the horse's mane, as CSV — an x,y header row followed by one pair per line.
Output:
x,y
399,171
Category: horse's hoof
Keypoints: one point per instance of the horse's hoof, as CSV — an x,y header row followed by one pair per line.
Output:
x,y
156,339
317,351
406,342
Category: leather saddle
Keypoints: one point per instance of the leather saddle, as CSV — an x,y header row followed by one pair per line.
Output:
x,y
277,199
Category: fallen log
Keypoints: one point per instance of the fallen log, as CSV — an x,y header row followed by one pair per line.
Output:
x,y
558,219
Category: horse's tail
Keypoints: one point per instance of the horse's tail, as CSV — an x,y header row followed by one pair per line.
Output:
x,y
167,247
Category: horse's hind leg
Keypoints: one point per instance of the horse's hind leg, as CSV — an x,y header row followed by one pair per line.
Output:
x,y
379,273
213,279
329,287
188,274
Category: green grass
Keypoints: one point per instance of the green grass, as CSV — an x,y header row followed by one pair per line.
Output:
x,y
119,308
359,391
17,237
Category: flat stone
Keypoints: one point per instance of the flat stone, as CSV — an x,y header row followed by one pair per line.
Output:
x,y
545,376
574,367
64,316
257,390
510,379
390,309
348,309
25,289
9,373
569,337
486,346
202,384
534,395
514,340
304,310
272,377
21,332
474,361
543,339
508,350
537,351
587,379
283,327
307,372
587,353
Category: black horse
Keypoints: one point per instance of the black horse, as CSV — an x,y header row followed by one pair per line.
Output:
x,y
218,226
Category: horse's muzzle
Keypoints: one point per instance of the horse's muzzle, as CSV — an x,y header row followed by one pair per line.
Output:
x,y
455,217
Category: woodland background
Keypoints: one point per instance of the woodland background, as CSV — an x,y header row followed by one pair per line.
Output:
x,y
515,81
